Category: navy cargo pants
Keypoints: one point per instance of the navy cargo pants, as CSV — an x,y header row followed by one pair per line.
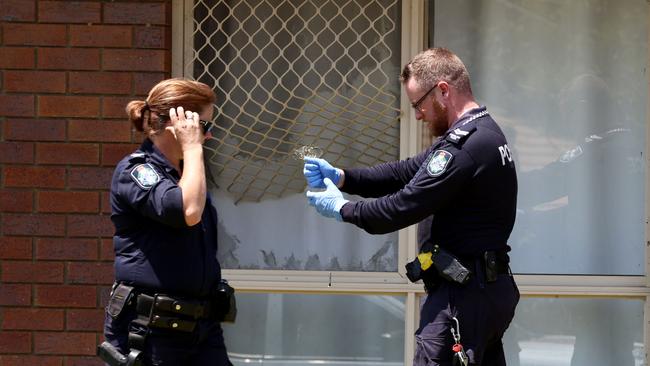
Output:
x,y
484,311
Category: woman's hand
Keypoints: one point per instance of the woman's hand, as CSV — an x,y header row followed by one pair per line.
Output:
x,y
185,128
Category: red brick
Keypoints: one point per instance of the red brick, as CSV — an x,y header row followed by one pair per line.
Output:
x,y
69,12
34,129
99,130
29,360
16,201
15,295
37,177
17,105
90,226
66,249
144,81
107,252
90,178
16,152
68,58
32,272
90,273
115,107
68,106
33,319
15,247
83,319
127,13
136,60
67,153
104,295
34,34
17,57
105,202
83,361
17,10
65,343
34,81
65,296
113,153
15,342
67,201
101,36
33,225
89,82
152,37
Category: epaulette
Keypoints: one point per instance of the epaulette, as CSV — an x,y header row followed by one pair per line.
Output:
x,y
137,158
460,134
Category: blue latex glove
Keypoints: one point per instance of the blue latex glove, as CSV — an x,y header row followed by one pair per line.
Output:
x,y
328,202
315,170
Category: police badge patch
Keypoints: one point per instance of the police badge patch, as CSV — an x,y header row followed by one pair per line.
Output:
x,y
438,163
145,175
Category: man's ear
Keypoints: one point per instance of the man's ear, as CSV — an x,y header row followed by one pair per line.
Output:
x,y
444,88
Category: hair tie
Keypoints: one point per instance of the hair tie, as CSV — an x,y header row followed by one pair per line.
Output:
x,y
145,107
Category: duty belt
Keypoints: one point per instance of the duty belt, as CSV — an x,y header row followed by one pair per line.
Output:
x,y
498,261
162,311
160,305
435,264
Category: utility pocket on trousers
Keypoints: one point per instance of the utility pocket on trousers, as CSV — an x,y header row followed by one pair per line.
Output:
x,y
432,351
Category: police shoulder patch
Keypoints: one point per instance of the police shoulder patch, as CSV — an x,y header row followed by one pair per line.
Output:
x,y
438,162
145,175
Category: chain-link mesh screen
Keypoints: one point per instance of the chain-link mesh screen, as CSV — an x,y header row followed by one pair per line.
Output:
x,y
290,73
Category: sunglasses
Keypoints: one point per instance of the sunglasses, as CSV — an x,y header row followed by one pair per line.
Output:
x,y
206,126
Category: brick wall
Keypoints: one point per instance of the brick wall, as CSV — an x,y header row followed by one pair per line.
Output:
x,y
67,69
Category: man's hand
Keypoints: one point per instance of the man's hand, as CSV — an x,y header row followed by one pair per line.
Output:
x,y
328,202
315,170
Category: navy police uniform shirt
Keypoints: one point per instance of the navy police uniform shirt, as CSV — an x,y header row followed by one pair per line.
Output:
x,y
466,179
154,247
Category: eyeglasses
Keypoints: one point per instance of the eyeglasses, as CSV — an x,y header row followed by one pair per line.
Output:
x,y
206,126
416,105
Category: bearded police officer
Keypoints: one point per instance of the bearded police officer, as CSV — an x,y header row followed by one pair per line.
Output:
x,y
464,187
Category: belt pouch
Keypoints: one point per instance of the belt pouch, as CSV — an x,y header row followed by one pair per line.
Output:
x,y
224,303
120,298
491,268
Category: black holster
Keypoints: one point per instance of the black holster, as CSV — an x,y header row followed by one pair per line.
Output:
x,y
445,267
112,356
122,297
449,267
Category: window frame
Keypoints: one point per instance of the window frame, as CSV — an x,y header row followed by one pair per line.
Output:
x,y
414,38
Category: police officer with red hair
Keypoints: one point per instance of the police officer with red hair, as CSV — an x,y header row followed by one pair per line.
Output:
x,y
168,298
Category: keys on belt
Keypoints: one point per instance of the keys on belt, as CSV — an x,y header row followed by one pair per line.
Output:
x,y
460,357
